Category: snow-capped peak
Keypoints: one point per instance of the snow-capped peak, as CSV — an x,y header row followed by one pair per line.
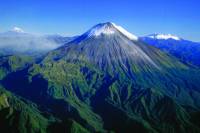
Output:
x,y
109,28
18,30
125,32
102,28
164,36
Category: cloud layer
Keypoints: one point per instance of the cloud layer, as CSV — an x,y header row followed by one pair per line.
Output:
x,y
16,41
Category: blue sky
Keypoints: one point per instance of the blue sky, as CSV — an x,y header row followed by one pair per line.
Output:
x,y
72,17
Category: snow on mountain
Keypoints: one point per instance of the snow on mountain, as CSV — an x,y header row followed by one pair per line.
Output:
x,y
100,29
164,36
108,46
18,30
125,32
108,29
185,50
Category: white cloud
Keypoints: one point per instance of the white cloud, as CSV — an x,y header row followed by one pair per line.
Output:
x,y
25,43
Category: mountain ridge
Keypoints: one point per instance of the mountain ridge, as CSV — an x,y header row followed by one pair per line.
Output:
x,y
187,51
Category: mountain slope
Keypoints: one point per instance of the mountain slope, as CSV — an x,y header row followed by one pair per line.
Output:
x,y
13,63
18,116
107,47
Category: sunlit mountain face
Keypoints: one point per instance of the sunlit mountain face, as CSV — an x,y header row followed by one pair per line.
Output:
x,y
106,80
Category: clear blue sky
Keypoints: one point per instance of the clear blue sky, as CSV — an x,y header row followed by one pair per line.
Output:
x,y
72,17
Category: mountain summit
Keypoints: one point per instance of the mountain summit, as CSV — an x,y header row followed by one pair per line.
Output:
x,y
108,28
108,46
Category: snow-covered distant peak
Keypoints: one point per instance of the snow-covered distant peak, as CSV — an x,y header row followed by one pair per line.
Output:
x,y
15,32
18,30
108,29
164,36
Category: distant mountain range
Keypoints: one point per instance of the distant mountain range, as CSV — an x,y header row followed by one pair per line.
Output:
x,y
186,51
106,80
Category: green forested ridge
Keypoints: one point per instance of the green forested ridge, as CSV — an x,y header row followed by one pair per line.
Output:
x,y
22,116
18,115
97,100
11,63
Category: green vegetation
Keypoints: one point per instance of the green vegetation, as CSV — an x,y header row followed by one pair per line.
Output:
x,y
79,97
13,63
